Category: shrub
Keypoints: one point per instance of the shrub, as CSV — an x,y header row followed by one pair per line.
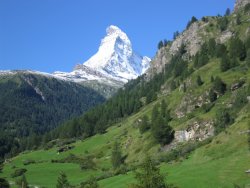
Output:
x,y
18,172
29,161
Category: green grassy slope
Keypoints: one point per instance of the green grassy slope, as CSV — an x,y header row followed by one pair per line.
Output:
x,y
222,163
218,164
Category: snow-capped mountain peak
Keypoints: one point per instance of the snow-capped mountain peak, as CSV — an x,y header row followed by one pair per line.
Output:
x,y
116,57
114,60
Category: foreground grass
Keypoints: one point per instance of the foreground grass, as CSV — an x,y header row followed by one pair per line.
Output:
x,y
222,163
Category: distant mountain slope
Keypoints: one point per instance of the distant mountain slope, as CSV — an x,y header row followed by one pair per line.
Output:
x,y
34,103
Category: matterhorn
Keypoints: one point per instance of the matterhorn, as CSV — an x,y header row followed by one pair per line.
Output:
x,y
115,61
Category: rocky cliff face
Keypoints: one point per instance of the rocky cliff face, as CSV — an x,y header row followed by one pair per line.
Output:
x,y
240,3
190,38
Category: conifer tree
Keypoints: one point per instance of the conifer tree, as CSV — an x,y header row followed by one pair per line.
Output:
x,y
225,63
228,12
144,125
219,86
199,81
237,48
116,157
149,175
62,181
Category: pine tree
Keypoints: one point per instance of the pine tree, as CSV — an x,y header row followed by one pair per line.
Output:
x,y
212,95
176,34
228,12
193,19
155,113
62,181
223,23
237,49
116,157
163,108
149,175
160,44
211,47
219,85
161,131
144,124
212,79
199,81
225,63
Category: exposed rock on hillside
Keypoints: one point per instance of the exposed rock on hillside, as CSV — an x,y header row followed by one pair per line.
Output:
x,y
240,3
196,131
190,103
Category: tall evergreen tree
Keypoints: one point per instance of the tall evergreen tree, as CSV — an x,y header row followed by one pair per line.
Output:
x,y
62,181
199,81
225,63
149,175
163,108
219,85
155,113
211,47
228,12
161,131
116,157
237,48
160,44
144,125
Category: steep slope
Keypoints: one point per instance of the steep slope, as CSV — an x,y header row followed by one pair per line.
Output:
x,y
35,103
114,61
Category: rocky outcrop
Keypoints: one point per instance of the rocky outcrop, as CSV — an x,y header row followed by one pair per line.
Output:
x,y
189,103
29,81
196,131
239,4
224,37
162,58
190,38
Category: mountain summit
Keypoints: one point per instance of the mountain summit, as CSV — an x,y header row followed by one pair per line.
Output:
x,y
115,60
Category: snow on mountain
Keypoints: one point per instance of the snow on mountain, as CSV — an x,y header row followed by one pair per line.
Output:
x,y
114,61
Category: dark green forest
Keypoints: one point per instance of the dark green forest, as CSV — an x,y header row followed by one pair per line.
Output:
x,y
27,112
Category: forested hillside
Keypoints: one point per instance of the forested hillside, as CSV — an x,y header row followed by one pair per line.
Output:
x,y
32,105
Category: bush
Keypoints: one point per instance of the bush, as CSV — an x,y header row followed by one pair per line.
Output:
x,y
212,95
29,161
18,172
207,107
223,23
4,183
247,8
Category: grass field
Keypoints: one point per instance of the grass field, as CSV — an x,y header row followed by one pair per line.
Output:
x,y
221,163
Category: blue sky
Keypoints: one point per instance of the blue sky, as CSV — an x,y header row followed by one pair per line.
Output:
x,y
50,35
